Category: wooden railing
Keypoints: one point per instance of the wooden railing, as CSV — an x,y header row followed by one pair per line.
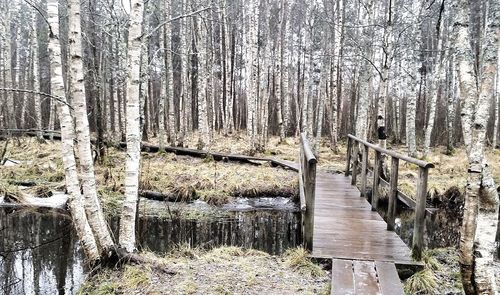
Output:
x,y
357,146
307,186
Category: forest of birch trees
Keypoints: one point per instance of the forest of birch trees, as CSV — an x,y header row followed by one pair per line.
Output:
x,y
265,67
415,73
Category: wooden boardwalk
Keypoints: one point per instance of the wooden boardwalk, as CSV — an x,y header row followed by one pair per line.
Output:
x,y
345,227
339,223
362,250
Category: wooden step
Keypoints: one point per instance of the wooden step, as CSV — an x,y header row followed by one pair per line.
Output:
x,y
362,277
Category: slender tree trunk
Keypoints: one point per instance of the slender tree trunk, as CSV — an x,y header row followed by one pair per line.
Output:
x,y
35,75
437,79
77,90
497,103
132,164
7,67
76,202
365,80
203,80
452,94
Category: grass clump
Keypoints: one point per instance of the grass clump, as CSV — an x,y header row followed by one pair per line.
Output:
x,y
135,276
298,259
422,282
108,288
8,191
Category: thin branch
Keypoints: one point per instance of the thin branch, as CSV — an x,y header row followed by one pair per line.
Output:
x,y
174,19
60,99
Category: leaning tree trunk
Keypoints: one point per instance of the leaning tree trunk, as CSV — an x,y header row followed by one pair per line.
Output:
x,y
77,90
132,164
76,202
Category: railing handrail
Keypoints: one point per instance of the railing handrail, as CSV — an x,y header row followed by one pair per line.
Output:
x,y
307,149
391,153
307,185
353,151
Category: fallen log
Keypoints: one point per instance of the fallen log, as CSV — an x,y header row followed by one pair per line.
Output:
x,y
58,200
151,148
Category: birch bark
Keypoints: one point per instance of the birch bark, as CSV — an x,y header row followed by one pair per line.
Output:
x,y
132,165
76,202
7,67
203,80
477,238
437,79
35,75
77,90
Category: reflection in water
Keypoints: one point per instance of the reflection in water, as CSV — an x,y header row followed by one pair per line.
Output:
x,y
270,231
442,228
38,253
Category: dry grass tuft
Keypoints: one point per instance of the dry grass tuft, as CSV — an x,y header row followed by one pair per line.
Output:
x,y
423,282
298,259
225,270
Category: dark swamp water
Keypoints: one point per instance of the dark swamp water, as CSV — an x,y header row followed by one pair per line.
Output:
x,y
40,254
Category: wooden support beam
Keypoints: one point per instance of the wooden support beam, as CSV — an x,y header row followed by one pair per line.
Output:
x,y
393,193
419,226
349,151
355,162
376,176
364,167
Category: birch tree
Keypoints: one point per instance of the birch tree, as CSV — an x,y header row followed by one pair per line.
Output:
x,y
35,75
76,202
133,133
478,226
77,91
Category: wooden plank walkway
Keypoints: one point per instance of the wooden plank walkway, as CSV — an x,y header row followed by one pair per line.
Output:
x,y
363,251
350,277
345,226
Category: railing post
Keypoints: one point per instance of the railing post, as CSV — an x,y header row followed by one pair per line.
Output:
x,y
364,165
418,228
393,193
376,176
349,148
355,161
310,187
308,170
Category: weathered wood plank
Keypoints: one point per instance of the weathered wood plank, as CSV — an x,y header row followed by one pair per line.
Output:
x,y
418,227
342,277
346,227
388,278
393,193
365,278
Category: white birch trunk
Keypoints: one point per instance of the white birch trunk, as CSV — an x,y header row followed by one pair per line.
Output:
x,y
77,90
477,239
497,102
76,202
132,165
365,79
36,81
203,80
7,62
437,78
163,87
